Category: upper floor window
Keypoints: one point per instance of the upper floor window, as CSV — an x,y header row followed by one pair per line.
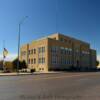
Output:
x,y
28,51
54,49
34,50
62,49
85,52
41,49
23,53
61,39
69,41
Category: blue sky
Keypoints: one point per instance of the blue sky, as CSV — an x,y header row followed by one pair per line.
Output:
x,y
76,18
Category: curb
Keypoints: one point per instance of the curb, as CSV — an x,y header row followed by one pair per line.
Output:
x,y
23,74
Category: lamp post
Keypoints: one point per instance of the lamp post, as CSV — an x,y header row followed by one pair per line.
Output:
x,y
20,23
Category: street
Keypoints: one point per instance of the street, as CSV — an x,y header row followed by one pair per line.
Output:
x,y
58,86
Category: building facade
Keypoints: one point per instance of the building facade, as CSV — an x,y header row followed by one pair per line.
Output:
x,y
58,52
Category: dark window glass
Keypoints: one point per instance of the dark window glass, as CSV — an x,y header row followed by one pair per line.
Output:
x,y
34,51
34,61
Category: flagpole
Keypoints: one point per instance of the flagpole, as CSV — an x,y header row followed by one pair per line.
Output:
x,y
18,49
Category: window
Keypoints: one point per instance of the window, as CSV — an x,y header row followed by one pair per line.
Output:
x,y
62,50
23,53
34,50
69,51
31,61
41,49
29,52
42,68
85,52
54,60
61,39
41,60
34,60
54,49
61,59
66,61
66,49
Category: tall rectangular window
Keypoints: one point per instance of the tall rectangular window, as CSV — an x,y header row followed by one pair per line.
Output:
x,y
41,49
41,60
29,52
29,61
34,51
34,60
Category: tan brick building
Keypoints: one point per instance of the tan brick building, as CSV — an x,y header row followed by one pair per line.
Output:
x,y
58,52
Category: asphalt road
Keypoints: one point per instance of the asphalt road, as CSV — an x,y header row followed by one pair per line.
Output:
x,y
61,86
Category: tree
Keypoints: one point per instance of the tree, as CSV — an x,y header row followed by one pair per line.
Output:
x,y
1,65
22,64
8,65
97,63
15,64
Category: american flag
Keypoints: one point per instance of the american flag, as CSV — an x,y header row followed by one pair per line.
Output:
x,y
5,52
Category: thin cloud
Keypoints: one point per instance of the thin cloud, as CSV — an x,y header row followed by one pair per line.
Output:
x,y
10,57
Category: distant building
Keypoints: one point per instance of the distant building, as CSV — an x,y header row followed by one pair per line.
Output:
x,y
58,52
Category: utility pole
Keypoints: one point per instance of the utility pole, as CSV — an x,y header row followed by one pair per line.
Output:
x,y
20,23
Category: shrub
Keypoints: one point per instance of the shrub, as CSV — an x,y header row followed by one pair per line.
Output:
x,y
32,70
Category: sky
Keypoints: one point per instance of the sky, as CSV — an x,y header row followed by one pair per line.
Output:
x,y
76,18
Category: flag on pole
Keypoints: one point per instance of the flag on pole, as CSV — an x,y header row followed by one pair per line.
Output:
x,y
5,52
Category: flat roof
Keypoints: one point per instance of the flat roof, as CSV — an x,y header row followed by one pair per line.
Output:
x,y
62,35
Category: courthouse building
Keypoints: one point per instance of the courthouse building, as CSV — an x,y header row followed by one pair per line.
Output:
x,y
58,52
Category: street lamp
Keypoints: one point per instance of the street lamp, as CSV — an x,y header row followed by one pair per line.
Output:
x,y
20,23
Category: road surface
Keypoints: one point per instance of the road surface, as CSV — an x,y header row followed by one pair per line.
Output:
x,y
59,86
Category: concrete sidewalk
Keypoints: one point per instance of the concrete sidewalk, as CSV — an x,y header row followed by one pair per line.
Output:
x,y
14,74
35,73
